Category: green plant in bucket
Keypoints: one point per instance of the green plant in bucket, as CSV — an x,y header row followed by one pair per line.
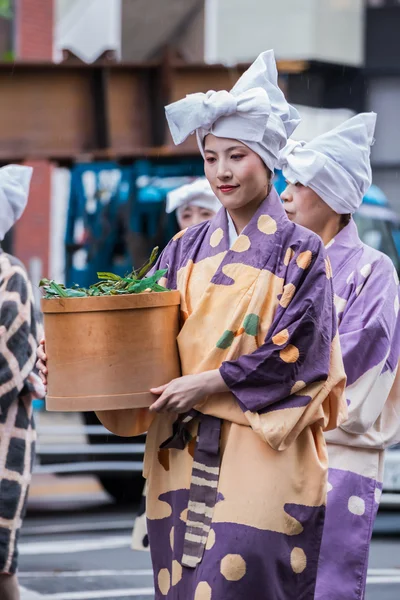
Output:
x,y
110,284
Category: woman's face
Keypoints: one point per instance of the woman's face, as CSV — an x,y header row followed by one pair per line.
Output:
x,y
237,175
304,207
193,215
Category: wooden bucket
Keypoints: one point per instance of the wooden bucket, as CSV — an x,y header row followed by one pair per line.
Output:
x,y
106,352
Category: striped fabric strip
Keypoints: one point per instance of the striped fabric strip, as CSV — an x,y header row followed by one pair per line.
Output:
x,y
203,490
204,482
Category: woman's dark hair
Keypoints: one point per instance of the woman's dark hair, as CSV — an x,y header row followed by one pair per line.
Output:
x,y
345,220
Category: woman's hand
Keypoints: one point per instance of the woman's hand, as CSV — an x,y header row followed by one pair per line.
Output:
x,y
182,394
42,361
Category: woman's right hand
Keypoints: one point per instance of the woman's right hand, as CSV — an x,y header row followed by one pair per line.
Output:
x,y
42,361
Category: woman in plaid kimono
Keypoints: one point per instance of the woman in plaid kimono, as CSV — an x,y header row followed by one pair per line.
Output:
x,y
18,383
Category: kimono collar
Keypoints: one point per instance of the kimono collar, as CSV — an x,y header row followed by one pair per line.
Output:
x,y
268,219
344,245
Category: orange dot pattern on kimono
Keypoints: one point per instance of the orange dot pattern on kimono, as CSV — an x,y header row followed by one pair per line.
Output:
x,y
267,225
242,244
288,292
304,259
203,591
298,560
281,338
233,567
290,354
179,234
288,256
216,237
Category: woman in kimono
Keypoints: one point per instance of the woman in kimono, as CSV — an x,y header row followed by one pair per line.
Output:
x,y
193,203
327,180
235,459
18,384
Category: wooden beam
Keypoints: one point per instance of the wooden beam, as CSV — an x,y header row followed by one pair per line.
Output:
x,y
69,110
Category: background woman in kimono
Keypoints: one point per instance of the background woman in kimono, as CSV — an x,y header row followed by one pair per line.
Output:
x,y
193,204
18,384
235,459
328,179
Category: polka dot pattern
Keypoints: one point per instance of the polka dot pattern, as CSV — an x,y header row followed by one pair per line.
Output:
x,y
396,305
290,354
298,560
216,237
242,244
233,567
356,505
281,338
210,540
176,572
350,278
299,385
304,259
179,234
329,487
267,225
164,581
366,270
378,495
171,538
288,256
287,295
203,591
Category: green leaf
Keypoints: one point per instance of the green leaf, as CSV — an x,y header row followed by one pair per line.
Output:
x,y
147,266
60,291
44,282
146,283
109,276
75,293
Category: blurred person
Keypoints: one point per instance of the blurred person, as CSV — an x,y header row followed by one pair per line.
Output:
x,y
230,511
18,383
327,180
193,203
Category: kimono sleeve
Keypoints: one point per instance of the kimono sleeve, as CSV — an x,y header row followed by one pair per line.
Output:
x,y
370,339
296,377
18,335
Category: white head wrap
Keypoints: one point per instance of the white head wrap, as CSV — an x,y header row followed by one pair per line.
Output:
x,y
255,112
197,193
336,165
14,189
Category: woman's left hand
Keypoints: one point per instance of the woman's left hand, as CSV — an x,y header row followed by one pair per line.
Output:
x,y
182,394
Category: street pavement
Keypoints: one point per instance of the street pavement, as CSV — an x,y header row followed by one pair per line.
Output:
x,y
75,545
